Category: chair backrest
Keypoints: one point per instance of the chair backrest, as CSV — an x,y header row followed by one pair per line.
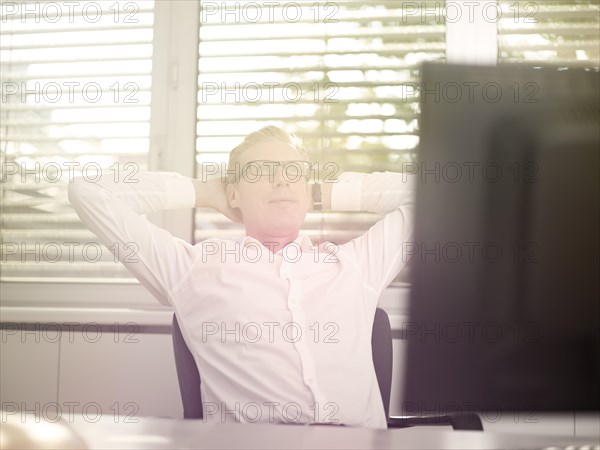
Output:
x,y
187,374
189,378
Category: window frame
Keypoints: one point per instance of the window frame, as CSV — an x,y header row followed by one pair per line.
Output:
x,y
172,127
173,148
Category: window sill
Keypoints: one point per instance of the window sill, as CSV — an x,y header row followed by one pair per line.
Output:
x,y
108,304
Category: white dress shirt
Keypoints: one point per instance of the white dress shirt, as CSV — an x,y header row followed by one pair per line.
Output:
x,y
282,337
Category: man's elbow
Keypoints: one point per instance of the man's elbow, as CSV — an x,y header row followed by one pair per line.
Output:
x,y
79,191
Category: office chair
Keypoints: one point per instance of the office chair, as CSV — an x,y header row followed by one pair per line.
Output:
x,y
381,342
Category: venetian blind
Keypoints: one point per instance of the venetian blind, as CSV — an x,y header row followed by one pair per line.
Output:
x,y
76,81
342,75
551,31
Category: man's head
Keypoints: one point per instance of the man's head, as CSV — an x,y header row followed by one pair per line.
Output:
x,y
271,195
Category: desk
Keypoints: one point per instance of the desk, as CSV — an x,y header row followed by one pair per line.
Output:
x,y
154,433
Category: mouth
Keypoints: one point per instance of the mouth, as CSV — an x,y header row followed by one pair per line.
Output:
x,y
282,202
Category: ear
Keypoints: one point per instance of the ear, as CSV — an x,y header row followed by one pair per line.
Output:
x,y
232,195
309,200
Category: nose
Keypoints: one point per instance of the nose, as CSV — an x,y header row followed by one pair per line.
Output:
x,y
279,178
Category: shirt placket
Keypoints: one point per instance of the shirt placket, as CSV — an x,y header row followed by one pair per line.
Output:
x,y
294,303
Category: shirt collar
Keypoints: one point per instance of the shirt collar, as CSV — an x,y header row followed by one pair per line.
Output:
x,y
303,241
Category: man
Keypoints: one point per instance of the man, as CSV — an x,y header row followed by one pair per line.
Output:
x,y
280,328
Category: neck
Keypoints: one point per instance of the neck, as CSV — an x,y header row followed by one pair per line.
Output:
x,y
273,243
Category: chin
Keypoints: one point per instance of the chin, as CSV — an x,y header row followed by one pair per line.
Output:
x,y
283,228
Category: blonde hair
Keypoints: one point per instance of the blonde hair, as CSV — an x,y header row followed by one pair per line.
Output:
x,y
268,133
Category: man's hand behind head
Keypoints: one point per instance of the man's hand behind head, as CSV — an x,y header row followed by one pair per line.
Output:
x,y
211,194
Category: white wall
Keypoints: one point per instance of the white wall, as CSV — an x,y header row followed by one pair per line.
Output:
x,y
126,370
85,371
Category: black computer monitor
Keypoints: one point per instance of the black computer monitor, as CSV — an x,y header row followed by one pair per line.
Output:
x,y
505,305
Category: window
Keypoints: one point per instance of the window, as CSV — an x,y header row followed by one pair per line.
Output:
x,y
563,32
75,100
95,83
342,75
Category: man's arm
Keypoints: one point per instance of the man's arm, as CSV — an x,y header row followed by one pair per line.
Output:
x,y
114,211
378,192
379,251
211,194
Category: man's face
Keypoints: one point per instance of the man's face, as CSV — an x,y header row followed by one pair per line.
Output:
x,y
274,204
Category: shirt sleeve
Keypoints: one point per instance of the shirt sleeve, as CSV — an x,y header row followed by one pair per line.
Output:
x,y
114,211
379,252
